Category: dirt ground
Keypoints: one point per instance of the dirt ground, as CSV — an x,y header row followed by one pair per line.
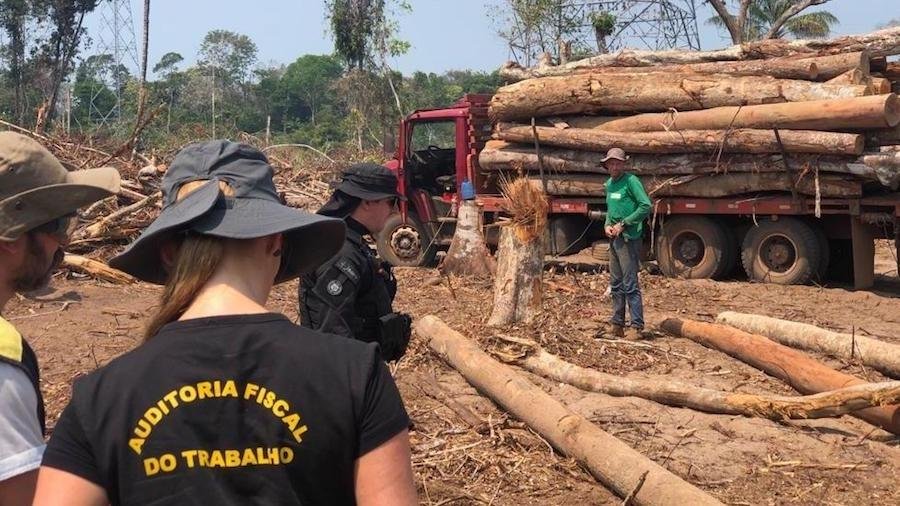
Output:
x,y
80,324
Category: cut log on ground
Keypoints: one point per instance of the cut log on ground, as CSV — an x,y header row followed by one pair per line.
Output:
x,y
518,288
741,140
654,92
874,353
665,391
877,111
468,254
97,229
612,462
708,186
96,269
795,368
501,156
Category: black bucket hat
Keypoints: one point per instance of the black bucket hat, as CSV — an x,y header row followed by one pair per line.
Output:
x,y
254,210
369,181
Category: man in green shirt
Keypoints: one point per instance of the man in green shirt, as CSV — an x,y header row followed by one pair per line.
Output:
x,y
627,205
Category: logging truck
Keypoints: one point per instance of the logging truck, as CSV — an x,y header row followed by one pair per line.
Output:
x,y
775,236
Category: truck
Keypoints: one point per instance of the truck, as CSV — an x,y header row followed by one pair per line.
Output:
x,y
775,237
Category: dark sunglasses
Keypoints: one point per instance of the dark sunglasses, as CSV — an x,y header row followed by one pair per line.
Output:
x,y
60,228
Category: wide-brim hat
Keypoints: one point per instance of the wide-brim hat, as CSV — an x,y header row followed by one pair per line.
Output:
x,y
369,181
255,210
615,154
35,188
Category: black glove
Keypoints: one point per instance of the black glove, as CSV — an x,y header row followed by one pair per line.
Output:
x,y
394,332
388,274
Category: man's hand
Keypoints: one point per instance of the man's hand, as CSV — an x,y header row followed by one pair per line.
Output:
x,y
610,231
618,228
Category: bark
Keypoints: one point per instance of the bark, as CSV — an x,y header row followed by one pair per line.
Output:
x,y
782,68
428,384
663,390
468,254
517,286
879,111
703,186
797,369
616,465
503,156
688,141
831,66
652,92
874,353
96,269
878,44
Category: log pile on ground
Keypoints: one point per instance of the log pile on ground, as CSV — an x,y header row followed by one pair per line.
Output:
x,y
812,118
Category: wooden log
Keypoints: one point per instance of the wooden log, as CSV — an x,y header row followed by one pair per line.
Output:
x,y
781,68
468,254
741,140
854,76
96,269
707,186
664,390
879,111
589,93
428,384
99,227
880,85
831,66
616,465
874,353
791,366
517,285
504,157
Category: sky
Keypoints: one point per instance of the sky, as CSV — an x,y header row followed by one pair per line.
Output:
x,y
444,34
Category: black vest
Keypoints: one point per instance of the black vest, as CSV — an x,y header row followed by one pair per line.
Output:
x,y
14,350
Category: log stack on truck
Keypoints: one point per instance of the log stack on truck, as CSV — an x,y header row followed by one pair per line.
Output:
x,y
775,155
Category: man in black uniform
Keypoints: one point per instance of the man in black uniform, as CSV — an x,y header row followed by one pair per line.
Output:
x,y
351,294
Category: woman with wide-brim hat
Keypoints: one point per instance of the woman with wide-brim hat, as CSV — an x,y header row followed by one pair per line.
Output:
x,y
226,402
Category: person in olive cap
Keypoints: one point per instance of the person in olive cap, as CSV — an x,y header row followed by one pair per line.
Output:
x,y
226,402
38,200
627,205
352,294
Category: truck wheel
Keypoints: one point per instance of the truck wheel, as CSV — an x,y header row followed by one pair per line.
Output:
x,y
565,235
691,247
730,252
405,244
785,251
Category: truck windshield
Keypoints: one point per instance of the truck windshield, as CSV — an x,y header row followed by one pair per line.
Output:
x,y
441,135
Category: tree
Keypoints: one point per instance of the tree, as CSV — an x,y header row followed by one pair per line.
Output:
x,y
168,64
230,55
310,79
770,19
535,27
604,23
13,16
890,24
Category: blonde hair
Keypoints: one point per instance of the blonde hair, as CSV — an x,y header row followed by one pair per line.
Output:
x,y
196,260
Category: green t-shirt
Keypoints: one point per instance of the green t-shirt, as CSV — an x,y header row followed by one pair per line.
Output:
x,y
627,203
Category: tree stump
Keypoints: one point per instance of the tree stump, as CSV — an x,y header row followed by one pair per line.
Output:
x,y
468,254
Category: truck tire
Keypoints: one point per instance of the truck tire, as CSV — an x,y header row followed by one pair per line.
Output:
x,y
730,252
566,235
785,251
406,244
691,247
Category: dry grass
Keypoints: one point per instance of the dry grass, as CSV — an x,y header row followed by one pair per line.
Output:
x,y
528,207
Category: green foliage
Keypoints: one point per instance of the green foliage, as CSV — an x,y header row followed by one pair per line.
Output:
x,y
762,14
603,22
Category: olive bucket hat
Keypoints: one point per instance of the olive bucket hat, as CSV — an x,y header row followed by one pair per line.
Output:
x,y
251,209
35,188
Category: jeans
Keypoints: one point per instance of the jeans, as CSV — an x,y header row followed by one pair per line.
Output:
x,y
624,264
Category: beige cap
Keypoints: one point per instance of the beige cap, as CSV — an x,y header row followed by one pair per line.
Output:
x,y
35,188
615,153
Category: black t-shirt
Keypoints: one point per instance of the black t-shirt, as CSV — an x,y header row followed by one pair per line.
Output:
x,y
245,409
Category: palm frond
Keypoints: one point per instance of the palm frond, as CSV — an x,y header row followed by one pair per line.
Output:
x,y
813,24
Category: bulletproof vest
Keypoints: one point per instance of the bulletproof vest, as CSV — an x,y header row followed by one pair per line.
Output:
x,y
375,290
14,350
